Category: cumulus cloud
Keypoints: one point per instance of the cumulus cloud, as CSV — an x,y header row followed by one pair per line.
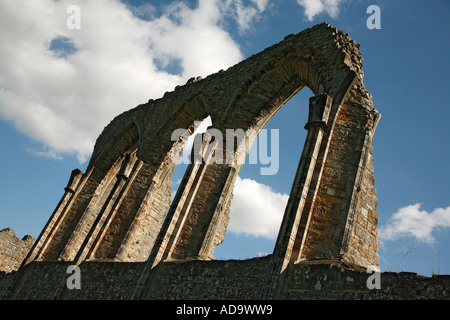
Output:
x,y
246,15
61,87
256,209
194,38
315,7
412,221
49,154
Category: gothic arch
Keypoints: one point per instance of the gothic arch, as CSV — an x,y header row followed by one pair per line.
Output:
x,y
332,206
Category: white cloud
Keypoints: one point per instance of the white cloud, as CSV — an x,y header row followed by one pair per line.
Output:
x,y
315,7
49,154
261,4
64,99
194,37
245,15
412,221
144,11
256,209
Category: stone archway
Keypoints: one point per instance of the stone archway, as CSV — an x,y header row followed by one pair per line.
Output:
x,y
331,212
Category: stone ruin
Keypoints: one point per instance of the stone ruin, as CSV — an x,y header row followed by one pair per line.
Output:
x,y
13,250
118,215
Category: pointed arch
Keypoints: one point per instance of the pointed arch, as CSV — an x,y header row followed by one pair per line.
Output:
x,y
126,194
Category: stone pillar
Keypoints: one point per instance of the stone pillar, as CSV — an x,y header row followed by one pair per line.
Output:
x,y
192,230
294,215
182,202
128,172
93,212
215,233
141,215
76,182
359,244
211,201
342,222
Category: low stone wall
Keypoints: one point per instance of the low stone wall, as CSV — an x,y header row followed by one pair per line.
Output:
x,y
335,280
208,280
5,281
13,250
217,280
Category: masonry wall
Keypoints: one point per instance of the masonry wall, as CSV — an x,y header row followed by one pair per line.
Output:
x,y
328,280
13,250
217,280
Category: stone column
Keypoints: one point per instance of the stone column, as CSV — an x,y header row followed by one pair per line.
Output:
x,y
342,221
174,226
359,240
181,205
97,205
76,182
129,169
319,111
198,234
192,230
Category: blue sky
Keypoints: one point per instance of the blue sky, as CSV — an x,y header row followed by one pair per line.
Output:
x,y
60,87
